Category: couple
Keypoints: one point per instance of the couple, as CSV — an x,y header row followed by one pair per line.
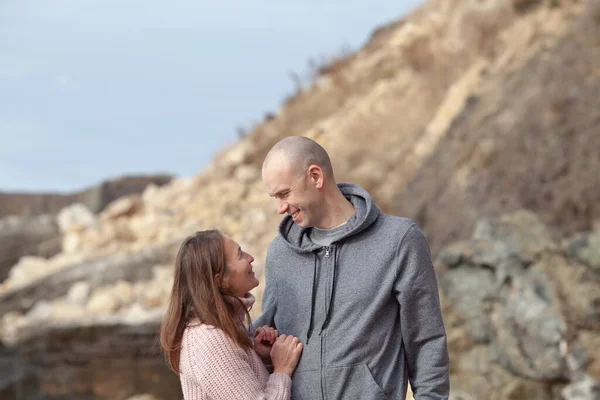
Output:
x,y
350,308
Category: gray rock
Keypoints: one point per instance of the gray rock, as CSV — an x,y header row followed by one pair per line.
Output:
x,y
529,331
98,359
585,389
517,295
467,287
585,247
520,234
21,236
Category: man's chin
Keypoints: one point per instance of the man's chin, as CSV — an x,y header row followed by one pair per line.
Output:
x,y
304,224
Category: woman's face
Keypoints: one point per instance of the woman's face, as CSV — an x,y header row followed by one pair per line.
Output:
x,y
239,278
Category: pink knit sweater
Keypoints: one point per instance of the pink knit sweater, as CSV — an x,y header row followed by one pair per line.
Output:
x,y
214,367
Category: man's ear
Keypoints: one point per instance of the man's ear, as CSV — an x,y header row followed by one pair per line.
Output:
x,y
316,176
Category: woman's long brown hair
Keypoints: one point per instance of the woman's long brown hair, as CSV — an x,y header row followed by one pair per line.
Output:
x,y
196,295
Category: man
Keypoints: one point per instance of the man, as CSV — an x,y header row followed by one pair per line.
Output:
x,y
356,286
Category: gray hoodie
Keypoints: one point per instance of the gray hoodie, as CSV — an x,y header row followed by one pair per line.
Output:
x,y
366,307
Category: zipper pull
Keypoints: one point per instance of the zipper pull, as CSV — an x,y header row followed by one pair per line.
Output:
x,y
327,251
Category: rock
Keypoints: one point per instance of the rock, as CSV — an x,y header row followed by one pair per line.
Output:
x,y
71,243
585,389
122,207
577,287
63,310
34,236
115,353
510,289
237,154
137,314
521,234
585,247
27,269
75,218
142,397
528,330
104,270
123,292
101,195
102,302
467,288
152,294
247,173
41,311
94,198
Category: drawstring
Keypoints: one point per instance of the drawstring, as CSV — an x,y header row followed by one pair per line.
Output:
x,y
331,289
312,299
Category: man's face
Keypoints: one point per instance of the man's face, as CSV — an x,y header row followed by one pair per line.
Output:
x,y
293,192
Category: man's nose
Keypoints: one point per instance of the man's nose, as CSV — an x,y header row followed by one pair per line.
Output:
x,y
282,207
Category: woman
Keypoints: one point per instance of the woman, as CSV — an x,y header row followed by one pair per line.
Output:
x,y
203,334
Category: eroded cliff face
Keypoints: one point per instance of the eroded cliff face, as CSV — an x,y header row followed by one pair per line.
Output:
x,y
460,112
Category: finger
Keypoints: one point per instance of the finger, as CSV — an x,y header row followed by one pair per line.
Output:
x,y
282,338
290,338
258,331
259,335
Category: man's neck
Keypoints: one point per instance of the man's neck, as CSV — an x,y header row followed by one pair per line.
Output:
x,y
337,211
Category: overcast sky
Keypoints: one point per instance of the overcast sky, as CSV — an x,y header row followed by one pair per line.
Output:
x,y
95,89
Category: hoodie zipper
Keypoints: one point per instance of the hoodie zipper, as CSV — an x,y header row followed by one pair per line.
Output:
x,y
322,339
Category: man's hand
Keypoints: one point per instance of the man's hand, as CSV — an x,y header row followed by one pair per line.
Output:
x,y
264,337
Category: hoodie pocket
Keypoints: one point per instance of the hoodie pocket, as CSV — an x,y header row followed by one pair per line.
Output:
x,y
352,382
306,385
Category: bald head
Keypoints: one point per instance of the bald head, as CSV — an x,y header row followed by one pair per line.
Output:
x,y
298,153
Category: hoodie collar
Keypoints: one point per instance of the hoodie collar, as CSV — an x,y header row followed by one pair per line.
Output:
x,y
366,212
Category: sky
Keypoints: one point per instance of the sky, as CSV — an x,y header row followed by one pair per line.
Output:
x,y
96,89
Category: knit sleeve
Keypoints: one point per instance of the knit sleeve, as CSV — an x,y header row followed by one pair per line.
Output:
x,y
222,370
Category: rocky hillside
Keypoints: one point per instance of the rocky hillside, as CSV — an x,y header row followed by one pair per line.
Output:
x,y
28,225
95,197
463,111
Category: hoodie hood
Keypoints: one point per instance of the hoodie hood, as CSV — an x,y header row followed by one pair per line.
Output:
x,y
366,212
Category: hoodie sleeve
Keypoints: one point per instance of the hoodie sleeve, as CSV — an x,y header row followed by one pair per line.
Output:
x,y
269,297
423,332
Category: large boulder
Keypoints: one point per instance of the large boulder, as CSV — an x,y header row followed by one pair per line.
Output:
x,y
63,337
516,306
94,358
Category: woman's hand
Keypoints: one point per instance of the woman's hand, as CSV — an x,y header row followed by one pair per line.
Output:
x,y
264,337
285,354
